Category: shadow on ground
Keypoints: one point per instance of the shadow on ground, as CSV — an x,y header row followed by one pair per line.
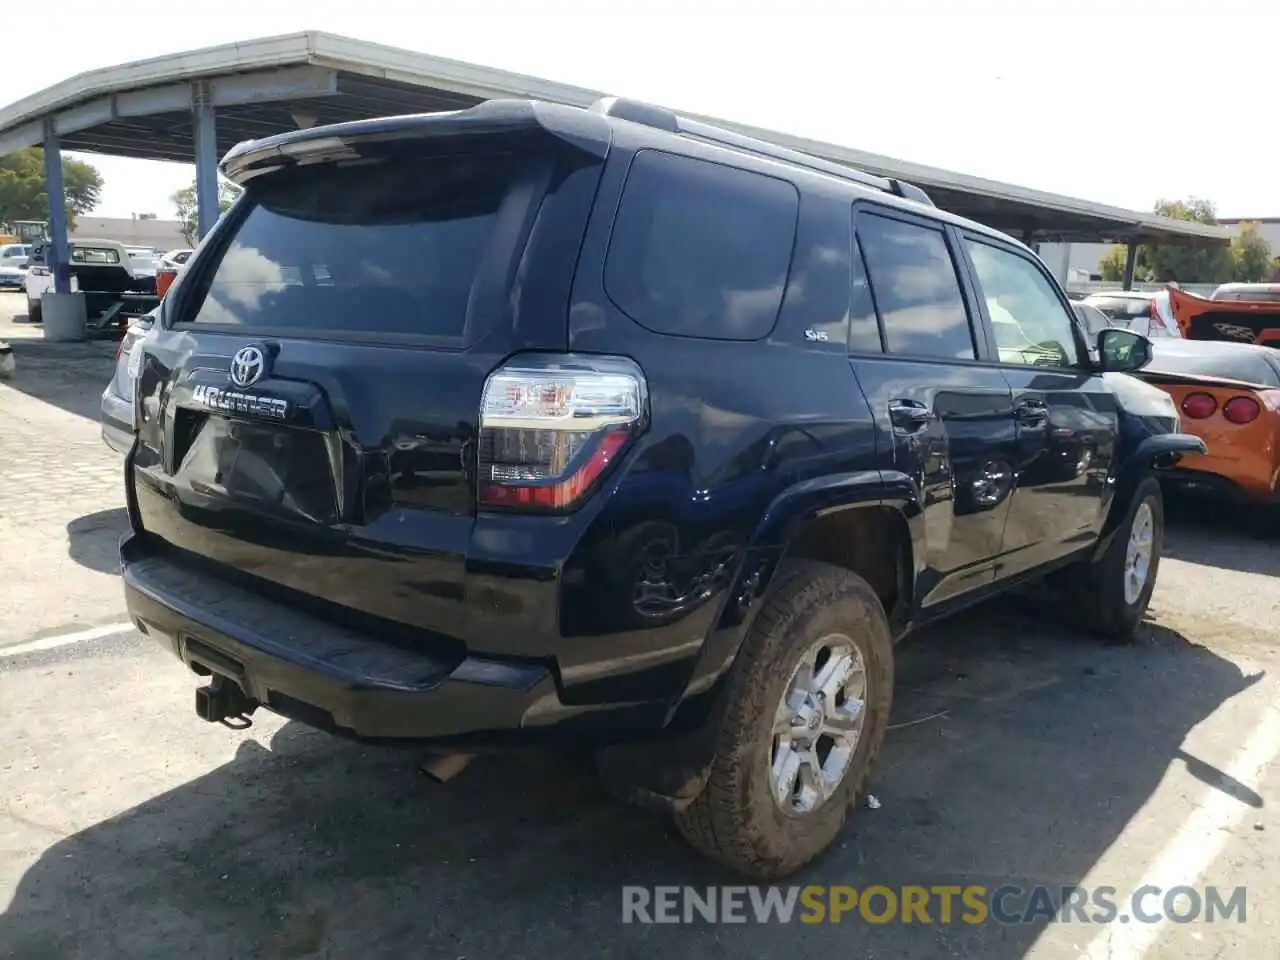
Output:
x,y
71,376
1046,747
1246,539
93,540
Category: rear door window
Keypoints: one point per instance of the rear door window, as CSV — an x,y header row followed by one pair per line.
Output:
x,y
916,289
701,249
392,245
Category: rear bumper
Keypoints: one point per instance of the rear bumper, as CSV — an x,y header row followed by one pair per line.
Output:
x,y
117,421
1215,486
325,675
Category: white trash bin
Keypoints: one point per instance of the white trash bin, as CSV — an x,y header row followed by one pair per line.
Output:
x,y
64,316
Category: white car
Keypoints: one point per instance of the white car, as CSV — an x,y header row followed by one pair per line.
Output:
x,y
172,259
1148,314
13,265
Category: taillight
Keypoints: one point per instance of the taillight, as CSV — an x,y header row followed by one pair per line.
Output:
x,y
1241,410
551,425
1197,406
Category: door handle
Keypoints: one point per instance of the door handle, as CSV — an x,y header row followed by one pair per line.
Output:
x,y
909,414
1032,412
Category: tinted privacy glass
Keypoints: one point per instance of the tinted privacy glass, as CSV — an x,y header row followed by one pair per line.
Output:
x,y
700,249
388,247
913,279
1030,323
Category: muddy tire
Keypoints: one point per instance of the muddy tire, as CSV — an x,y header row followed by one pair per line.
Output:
x,y
1109,598
819,623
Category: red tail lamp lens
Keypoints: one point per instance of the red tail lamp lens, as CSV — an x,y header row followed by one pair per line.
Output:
x,y
1197,406
550,426
1241,410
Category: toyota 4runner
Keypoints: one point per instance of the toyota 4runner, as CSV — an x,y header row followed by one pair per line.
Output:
x,y
529,423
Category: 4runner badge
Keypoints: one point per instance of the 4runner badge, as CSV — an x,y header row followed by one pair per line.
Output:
x,y
231,401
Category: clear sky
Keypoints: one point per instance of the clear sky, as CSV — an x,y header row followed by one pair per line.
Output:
x,y
1118,101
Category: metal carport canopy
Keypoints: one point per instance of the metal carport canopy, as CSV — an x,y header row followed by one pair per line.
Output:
x,y
149,110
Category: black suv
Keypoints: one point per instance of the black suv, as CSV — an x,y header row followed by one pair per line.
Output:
x,y
530,423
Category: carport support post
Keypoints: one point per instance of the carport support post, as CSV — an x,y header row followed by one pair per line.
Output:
x,y
206,142
56,258
1130,260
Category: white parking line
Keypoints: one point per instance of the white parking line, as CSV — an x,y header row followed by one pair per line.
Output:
x,y
1197,843
63,639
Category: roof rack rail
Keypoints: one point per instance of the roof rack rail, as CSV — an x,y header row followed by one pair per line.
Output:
x,y
649,115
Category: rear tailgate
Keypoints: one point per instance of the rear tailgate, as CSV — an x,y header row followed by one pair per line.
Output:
x,y
308,408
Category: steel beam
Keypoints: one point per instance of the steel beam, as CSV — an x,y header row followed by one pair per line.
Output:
x,y
56,253
204,124
1130,261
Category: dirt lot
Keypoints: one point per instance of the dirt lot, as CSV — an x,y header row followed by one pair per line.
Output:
x,y
1022,754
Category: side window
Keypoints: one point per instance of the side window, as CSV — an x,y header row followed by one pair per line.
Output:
x,y
916,290
701,249
1030,324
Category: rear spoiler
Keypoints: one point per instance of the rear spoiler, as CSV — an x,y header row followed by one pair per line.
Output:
x,y
1192,380
1232,321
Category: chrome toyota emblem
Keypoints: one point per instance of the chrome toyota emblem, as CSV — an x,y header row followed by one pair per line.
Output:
x,y
248,366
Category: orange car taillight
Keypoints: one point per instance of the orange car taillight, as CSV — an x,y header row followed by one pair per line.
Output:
x,y
1241,410
550,426
1197,406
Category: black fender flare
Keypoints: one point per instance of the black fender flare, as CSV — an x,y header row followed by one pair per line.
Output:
x,y
669,773
1155,453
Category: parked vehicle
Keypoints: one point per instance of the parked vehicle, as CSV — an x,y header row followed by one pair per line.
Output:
x,y
1255,292
170,266
529,423
1227,318
103,271
117,398
1229,396
13,265
1144,313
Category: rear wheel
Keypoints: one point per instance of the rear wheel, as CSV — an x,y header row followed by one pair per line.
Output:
x,y
1109,597
808,707
34,313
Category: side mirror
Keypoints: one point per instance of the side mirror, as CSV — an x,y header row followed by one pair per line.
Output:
x,y
1122,351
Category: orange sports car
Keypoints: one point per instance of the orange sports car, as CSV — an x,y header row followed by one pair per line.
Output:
x,y
1228,395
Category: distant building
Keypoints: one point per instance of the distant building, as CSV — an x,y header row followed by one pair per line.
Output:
x,y
140,232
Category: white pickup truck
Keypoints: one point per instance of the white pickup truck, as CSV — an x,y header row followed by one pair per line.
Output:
x,y
102,269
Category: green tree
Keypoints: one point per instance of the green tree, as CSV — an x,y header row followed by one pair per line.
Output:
x,y
1185,262
1251,255
22,188
1111,266
185,202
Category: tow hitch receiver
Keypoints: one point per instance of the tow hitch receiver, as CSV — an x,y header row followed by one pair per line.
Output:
x,y
222,701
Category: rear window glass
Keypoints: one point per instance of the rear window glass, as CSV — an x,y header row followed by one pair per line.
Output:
x,y
700,249
94,255
1245,365
917,293
1121,308
389,246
